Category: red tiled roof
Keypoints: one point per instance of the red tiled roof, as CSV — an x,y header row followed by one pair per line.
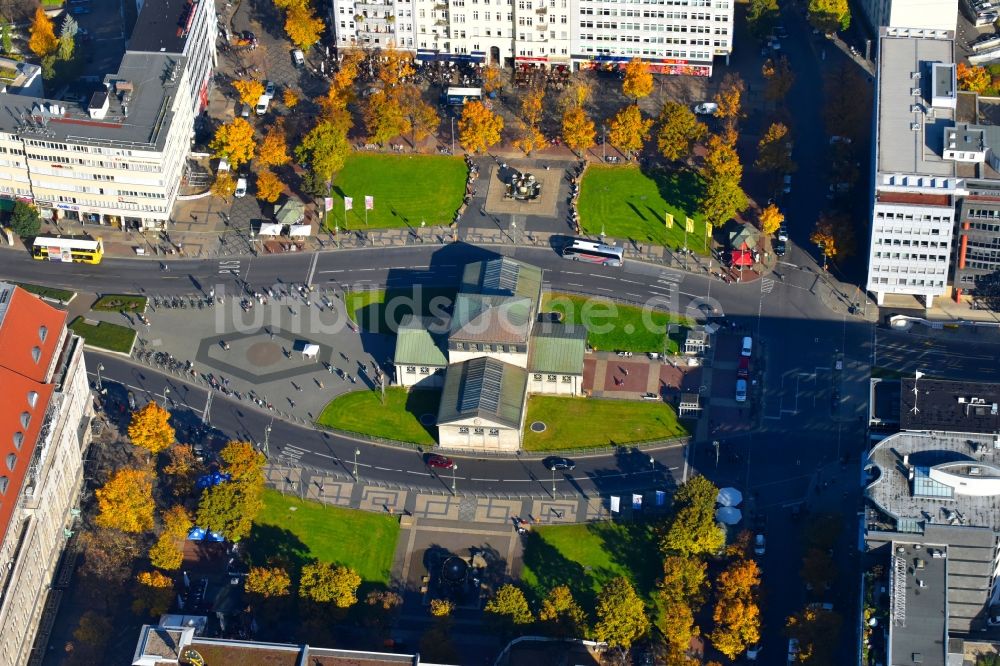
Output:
x,y
24,360
915,198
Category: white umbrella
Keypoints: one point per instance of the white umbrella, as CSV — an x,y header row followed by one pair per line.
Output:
x,y
729,515
729,497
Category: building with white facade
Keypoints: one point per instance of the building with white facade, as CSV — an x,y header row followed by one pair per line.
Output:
x,y
117,157
673,36
927,14
44,431
915,188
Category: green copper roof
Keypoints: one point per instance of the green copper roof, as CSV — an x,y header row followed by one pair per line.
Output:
x,y
415,345
557,348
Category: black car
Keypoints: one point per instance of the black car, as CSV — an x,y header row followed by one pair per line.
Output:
x,y
249,36
557,464
779,247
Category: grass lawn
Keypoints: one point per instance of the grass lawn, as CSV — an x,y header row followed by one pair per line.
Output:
x,y
628,203
408,190
380,311
118,302
586,556
399,418
62,295
615,327
575,423
361,540
104,335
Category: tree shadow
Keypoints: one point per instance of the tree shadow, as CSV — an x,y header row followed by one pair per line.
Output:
x,y
267,542
551,569
424,401
631,545
680,188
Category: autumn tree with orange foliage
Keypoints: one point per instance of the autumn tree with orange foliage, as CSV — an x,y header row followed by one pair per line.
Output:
x,y
249,90
150,428
234,141
629,131
182,469
834,234
770,219
168,551
269,186
274,148
43,40
290,98
479,128
778,78
154,593
975,78
531,137
303,27
638,81
736,614
268,582
730,102
125,501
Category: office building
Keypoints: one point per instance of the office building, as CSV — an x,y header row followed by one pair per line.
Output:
x,y
117,156
682,37
926,14
44,431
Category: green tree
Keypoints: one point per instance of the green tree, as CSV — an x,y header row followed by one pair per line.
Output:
x,y
774,151
229,508
323,582
621,615
723,196
762,16
325,149
24,219
680,129
829,15
818,569
692,529
561,616
6,42
629,131
508,609
847,97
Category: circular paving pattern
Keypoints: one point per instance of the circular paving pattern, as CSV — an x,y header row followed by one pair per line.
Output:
x,y
537,426
263,354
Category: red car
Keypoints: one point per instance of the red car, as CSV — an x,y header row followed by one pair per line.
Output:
x,y
743,370
438,461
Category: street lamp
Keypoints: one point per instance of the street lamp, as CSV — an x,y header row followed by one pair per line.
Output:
x,y
652,464
604,142
453,135
454,468
267,439
166,391
357,452
100,387
553,468
715,443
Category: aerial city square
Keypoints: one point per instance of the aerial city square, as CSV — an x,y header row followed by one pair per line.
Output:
x,y
500,333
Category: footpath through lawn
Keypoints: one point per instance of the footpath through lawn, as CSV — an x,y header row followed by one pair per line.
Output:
x,y
407,190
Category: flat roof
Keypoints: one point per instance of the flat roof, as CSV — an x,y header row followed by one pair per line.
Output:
x,y
162,26
900,148
918,634
953,406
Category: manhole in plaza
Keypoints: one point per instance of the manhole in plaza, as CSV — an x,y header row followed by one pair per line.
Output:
x,y
428,419
537,426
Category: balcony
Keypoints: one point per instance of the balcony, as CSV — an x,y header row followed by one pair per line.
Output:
x,y
373,32
374,22
440,6
542,10
541,27
370,6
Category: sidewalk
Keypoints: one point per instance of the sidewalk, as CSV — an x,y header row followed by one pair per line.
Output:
x,y
945,309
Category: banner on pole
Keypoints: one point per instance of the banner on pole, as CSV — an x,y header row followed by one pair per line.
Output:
x,y
708,228
689,225
348,203
669,218
616,504
369,203
328,203
636,501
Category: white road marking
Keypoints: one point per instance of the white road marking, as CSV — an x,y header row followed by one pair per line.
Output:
x,y
475,479
603,289
312,269
410,471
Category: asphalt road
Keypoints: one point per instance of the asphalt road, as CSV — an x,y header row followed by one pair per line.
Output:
x,y
230,418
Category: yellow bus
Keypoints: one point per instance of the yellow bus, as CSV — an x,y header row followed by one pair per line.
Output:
x,y
81,249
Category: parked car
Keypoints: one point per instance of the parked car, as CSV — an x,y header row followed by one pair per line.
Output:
x,y
262,103
780,247
557,464
741,390
438,461
241,188
743,370
835,139
786,184
131,400
747,348
793,650
650,396
298,57
753,652
706,108
783,233
759,543
269,88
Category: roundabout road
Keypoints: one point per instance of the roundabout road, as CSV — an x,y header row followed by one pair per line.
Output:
x,y
777,309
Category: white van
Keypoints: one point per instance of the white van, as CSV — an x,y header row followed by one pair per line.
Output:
x,y
241,188
262,105
298,57
747,346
